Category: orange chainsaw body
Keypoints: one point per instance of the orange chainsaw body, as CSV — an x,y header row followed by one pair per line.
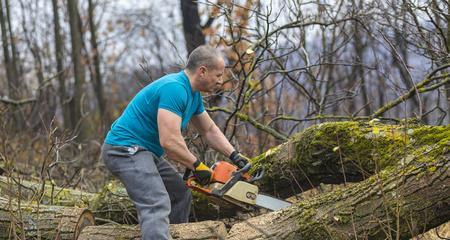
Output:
x,y
222,171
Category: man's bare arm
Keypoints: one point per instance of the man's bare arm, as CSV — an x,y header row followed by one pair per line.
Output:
x,y
172,140
212,134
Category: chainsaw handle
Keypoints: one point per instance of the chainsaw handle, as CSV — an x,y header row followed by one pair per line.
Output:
x,y
257,175
246,168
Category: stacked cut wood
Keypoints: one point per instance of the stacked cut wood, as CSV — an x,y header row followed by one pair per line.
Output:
x,y
401,188
34,221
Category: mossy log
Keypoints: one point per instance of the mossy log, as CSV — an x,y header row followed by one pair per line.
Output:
x,y
110,204
44,193
320,154
339,152
399,201
113,203
30,221
199,230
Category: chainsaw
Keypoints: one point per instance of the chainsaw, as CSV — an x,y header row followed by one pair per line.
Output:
x,y
234,186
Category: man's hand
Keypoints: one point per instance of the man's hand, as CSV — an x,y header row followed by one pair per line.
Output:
x,y
238,160
202,173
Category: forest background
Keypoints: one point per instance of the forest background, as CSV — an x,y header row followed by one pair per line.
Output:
x,y
68,69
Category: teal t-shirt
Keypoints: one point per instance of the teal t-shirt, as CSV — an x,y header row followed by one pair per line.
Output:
x,y
138,123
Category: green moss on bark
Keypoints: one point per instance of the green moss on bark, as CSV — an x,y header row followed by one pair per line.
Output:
x,y
336,152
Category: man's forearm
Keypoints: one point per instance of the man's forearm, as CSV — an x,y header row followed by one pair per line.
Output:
x,y
177,150
217,141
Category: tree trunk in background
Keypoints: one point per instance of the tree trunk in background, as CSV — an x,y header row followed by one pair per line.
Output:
x,y
13,83
78,70
358,71
192,29
97,77
401,201
14,59
43,110
7,58
59,52
401,46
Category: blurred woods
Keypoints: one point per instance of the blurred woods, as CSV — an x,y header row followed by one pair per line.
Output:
x,y
68,69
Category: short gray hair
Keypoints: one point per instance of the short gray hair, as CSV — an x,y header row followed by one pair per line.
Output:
x,y
203,55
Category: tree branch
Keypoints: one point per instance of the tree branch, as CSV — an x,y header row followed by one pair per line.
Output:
x,y
252,121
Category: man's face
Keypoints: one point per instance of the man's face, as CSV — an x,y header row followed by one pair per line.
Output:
x,y
212,78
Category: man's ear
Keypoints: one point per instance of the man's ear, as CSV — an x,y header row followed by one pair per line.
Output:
x,y
202,70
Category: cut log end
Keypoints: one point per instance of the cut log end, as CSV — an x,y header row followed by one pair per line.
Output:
x,y
86,219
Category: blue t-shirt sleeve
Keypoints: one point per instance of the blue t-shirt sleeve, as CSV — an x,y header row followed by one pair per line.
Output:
x,y
173,97
200,107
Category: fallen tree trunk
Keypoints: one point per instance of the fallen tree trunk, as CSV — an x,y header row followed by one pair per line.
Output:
x,y
325,153
339,152
44,193
401,201
110,204
30,221
199,230
113,203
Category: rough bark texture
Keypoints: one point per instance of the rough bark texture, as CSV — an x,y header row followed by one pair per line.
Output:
x,y
110,204
114,204
43,193
78,68
340,152
191,25
45,222
320,154
405,200
199,230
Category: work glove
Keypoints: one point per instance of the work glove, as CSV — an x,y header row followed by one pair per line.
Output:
x,y
202,173
238,159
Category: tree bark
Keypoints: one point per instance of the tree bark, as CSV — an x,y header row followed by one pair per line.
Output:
x,y
11,70
97,76
78,68
11,78
193,34
400,201
30,221
110,204
44,193
114,204
14,57
339,152
199,230
447,86
59,52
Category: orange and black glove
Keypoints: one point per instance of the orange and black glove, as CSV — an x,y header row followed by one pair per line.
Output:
x,y
202,173
238,159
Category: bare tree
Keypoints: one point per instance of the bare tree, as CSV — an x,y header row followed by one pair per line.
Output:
x,y
76,103
61,72
96,74
191,25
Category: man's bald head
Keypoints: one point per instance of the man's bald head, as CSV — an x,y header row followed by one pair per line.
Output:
x,y
203,56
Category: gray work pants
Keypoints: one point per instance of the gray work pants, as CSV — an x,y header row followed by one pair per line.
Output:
x,y
157,190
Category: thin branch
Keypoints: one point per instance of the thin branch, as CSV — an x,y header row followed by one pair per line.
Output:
x,y
252,121
418,88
